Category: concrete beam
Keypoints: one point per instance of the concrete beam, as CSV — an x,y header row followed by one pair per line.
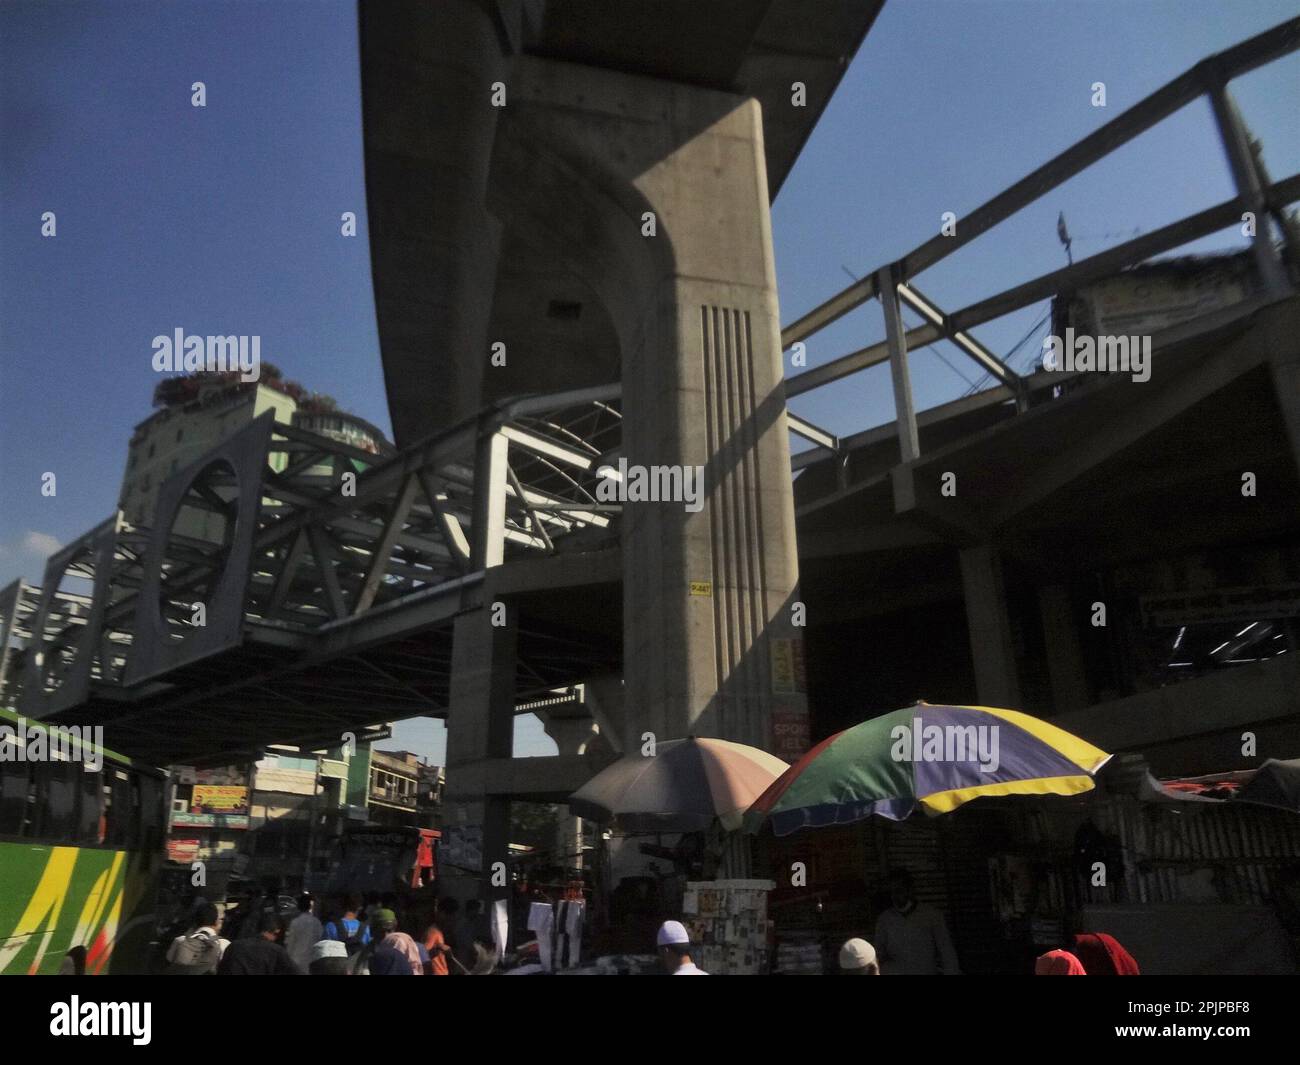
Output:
x,y
1191,385
909,443
917,495
859,539
546,779
567,569
1232,699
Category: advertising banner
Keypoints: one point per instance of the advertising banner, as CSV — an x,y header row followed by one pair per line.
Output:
x,y
219,799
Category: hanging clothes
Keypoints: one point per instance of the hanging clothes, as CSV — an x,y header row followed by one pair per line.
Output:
x,y
575,916
500,925
541,919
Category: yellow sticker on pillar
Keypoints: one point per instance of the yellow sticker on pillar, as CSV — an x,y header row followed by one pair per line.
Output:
x,y
788,676
702,588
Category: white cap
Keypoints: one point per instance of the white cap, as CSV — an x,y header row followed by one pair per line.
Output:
x,y
857,954
671,933
328,948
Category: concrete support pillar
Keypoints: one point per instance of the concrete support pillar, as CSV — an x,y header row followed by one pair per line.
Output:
x,y
480,725
480,722
491,463
709,645
438,269
655,194
1064,653
993,655
605,700
572,735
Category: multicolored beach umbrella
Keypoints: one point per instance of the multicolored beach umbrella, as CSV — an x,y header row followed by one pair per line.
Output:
x,y
934,757
683,787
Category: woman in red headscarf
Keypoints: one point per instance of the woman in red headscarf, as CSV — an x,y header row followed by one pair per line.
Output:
x,y
1103,956
1058,963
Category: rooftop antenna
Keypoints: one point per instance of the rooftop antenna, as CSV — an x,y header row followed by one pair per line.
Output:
x,y
1063,235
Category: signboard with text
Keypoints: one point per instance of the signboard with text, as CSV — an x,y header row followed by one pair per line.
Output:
x,y
1221,605
788,675
791,733
219,799
183,850
192,820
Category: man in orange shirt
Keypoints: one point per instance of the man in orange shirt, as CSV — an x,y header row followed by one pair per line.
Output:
x,y
436,945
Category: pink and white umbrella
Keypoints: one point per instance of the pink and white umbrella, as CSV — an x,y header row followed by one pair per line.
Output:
x,y
683,787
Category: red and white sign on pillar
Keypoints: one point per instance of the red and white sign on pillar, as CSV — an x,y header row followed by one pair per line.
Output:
x,y
791,726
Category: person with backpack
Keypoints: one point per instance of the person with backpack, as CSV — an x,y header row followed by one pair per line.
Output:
x,y
350,930
198,951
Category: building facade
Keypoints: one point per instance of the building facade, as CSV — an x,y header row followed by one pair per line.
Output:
x,y
197,411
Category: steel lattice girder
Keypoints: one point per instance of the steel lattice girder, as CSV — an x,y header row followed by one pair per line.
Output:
x,y
309,578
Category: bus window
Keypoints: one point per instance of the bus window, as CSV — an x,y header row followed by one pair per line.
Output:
x,y
151,812
57,800
117,802
124,811
13,798
88,807
137,833
107,815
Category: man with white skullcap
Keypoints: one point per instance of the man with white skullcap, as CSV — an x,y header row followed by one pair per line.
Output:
x,y
675,950
858,958
329,957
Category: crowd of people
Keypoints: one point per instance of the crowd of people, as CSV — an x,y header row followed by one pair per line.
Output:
x,y
912,939
360,938
367,938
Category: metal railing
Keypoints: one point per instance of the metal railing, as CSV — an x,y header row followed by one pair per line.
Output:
x,y
892,283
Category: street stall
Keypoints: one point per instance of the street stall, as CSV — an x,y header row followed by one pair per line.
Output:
x,y
687,799
1197,879
905,768
1194,875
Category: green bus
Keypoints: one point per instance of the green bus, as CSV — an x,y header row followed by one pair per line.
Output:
x,y
80,856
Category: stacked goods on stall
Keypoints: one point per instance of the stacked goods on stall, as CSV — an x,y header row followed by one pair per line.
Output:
x,y
800,954
728,925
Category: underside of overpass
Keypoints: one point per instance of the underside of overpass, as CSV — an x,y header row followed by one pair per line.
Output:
x,y
449,269
987,592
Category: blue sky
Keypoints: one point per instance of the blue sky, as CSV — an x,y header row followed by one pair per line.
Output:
x,y
225,219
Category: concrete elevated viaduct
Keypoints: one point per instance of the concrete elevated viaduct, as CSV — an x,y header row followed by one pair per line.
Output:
x,y
573,194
